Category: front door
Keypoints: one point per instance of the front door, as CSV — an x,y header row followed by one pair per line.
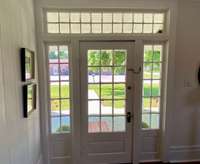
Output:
x,y
106,101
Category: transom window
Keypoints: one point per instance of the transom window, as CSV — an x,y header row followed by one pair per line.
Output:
x,y
106,90
61,22
59,84
152,78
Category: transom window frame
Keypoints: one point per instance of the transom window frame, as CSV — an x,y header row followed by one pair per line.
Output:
x,y
142,11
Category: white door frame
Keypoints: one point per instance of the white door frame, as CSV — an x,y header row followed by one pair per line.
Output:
x,y
74,43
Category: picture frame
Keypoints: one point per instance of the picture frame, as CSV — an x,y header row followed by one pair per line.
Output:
x,y
29,99
27,64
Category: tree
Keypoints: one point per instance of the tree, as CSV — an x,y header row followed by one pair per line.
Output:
x,y
106,58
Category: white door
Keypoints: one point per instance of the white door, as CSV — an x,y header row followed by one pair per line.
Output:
x,y
107,101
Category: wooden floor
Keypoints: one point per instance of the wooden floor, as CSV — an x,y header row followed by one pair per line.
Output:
x,y
169,163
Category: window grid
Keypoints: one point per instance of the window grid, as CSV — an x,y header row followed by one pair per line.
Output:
x,y
102,99
152,92
100,26
55,86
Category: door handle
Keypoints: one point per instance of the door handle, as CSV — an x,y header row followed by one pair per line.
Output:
x,y
129,117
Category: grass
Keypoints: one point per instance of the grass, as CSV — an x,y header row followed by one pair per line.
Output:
x,y
106,93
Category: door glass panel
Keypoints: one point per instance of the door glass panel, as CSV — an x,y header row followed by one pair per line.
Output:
x,y
152,78
106,90
59,87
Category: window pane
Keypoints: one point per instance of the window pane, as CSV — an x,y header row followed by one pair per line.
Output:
x,y
93,124
156,71
64,71
93,91
148,53
106,124
54,90
55,106
117,28
146,121
104,22
127,28
64,28
106,57
147,88
156,88
158,18
148,28
107,17
93,74
152,69
93,57
148,18
119,107
119,124
85,28
53,54
138,18
65,89
146,104
64,17
53,28
96,18
128,17
155,119
54,72
75,17
106,91
75,28
158,28
147,71
106,74
63,54
85,17
157,56
119,91
119,74
106,107
137,28
65,124
155,105
55,124
65,106
119,57
96,28
117,17
107,28
52,17
93,107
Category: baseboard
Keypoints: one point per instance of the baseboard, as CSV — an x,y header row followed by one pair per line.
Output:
x,y
184,153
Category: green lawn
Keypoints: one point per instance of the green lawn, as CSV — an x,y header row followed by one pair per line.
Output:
x,y
106,93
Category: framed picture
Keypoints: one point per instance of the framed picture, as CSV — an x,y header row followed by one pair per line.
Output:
x,y
27,64
29,99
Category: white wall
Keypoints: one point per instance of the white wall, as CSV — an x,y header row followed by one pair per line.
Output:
x,y
185,116
19,137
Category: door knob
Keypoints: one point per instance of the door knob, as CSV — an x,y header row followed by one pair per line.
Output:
x,y
129,87
128,117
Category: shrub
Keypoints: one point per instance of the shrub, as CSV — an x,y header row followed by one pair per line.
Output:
x,y
145,125
63,128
